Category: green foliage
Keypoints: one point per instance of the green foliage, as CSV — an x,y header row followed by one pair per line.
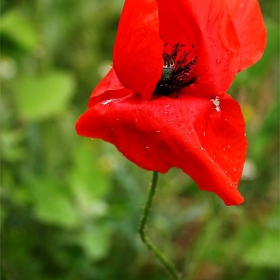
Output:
x,y
43,96
17,28
70,206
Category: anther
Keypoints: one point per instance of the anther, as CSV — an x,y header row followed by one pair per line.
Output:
x,y
168,67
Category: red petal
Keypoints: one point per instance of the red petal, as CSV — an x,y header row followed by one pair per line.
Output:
x,y
138,48
251,32
206,25
109,88
189,133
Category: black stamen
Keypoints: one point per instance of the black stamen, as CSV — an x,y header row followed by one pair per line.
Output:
x,y
177,71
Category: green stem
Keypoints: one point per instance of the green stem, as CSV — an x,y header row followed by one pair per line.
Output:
x,y
169,267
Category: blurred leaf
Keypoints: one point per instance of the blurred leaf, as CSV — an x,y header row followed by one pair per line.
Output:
x,y
272,48
2,216
19,29
90,183
96,240
41,97
266,136
52,203
10,142
264,253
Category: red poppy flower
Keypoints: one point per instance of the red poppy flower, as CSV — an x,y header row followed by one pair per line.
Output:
x,y
164,102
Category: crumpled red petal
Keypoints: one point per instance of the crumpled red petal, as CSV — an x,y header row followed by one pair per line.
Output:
x,y
138,48
108,88
207,30
250,28
205,140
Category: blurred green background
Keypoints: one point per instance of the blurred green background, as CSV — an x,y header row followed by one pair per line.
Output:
x,y
70,206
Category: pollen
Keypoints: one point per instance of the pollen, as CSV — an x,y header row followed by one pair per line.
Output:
x,y
216,103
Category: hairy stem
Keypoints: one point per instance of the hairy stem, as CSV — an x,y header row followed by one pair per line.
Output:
x,y
164,261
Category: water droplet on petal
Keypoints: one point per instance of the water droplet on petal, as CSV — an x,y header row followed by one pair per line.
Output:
x,y
233,185
106,102
190,131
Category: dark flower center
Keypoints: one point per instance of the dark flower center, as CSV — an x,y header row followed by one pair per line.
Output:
x,y
177,72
